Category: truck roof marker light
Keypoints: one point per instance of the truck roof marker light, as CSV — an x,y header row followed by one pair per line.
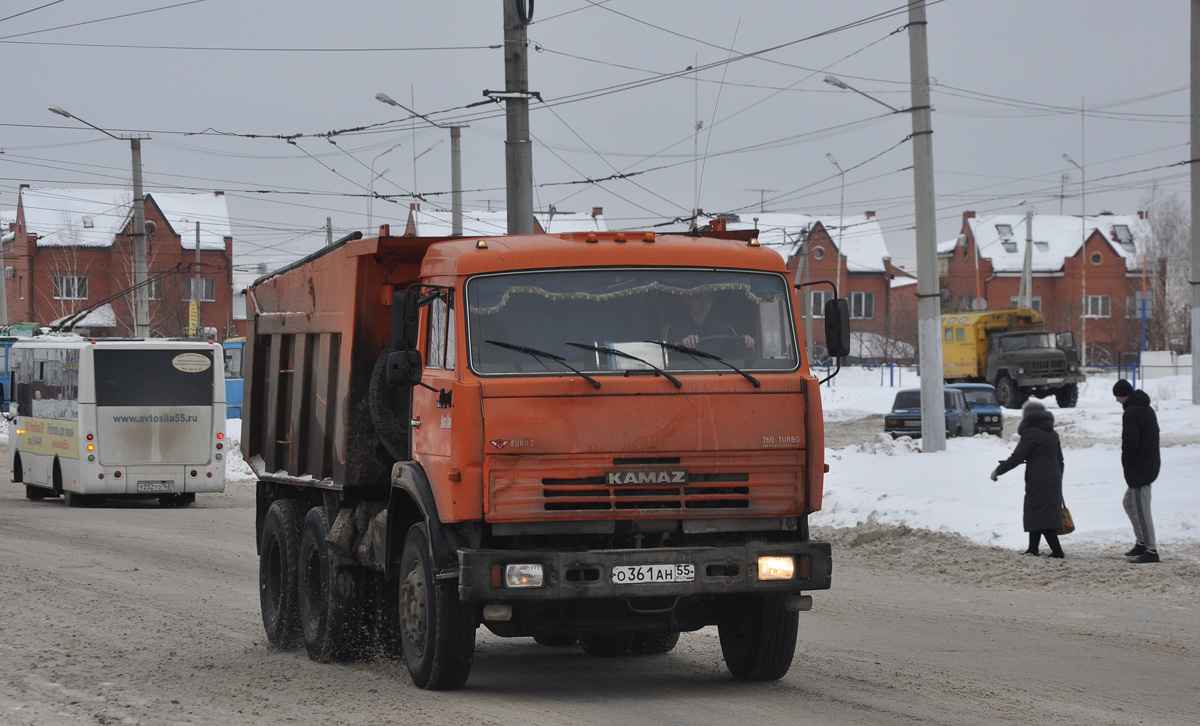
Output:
x,y
649,237
619,238
592,238
753,242
481,245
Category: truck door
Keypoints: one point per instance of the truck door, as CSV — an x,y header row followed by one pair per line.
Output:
x,y
433,408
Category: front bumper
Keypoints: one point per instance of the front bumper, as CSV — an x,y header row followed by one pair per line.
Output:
x,y
729,570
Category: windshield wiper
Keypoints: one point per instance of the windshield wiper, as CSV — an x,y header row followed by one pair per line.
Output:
x,y
539,354
702,354
622,354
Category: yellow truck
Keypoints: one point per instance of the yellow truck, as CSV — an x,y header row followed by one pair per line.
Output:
x,y
1012,350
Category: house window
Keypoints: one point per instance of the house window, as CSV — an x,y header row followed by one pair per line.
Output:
x,y
70,287
1124,236
1096,258
862,305
88,223
818,252
208,288
1133,305
817,302
1098,306
1004,230
1035,302
154,289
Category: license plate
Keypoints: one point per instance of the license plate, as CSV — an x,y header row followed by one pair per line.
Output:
x,y
156,486
913,424
1052,381
639,574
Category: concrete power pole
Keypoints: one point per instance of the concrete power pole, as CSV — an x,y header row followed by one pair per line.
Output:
x,y
1194,152
141,298
929,308
518,153
456,210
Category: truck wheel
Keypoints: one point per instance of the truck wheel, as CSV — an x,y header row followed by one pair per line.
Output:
x,y
1067,396
555,641
279,553
391,421
606,645
1009,395
330,602
437,634
654,643
758,637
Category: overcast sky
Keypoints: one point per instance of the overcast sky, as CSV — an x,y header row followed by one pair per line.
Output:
x,y
201,77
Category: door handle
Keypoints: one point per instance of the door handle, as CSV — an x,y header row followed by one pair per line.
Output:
x,y
415,423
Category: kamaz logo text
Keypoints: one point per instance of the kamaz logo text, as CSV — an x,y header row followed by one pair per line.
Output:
x,y
670,476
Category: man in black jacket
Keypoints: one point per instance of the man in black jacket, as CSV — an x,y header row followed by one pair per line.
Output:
x,y
1140,461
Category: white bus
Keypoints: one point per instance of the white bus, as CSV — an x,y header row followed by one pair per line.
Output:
x,y
98,418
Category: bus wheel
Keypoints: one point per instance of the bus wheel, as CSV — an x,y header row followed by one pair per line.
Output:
x,y
279,553
168,500
75,500
18,473
606,645
186,499
654,643
35,493
758,637
331,595
437,634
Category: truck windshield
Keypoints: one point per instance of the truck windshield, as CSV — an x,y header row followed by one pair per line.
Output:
x,y
1028,340
741,317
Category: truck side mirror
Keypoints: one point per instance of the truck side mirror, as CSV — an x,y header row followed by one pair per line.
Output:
x,y
404,367
406,309
837,327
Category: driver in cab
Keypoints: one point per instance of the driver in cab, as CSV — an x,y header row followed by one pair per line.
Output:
x,y
702,324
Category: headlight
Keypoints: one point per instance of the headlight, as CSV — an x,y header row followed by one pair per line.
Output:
x,y
1020,371
523,576
776,568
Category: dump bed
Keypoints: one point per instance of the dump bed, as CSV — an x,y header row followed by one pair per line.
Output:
x,y
314,334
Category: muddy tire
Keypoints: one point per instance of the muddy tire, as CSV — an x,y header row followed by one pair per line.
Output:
x,y
1067,396
437,632
654,643
607,645
330,595
758,637
1008,394
278,572
389,410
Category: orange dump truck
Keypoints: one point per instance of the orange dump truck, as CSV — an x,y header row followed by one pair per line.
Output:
x,y
586,438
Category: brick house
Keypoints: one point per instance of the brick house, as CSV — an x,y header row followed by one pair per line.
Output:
x,y
71,250
988,256
882,297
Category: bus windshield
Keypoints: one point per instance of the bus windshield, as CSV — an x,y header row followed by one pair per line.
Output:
x,y
520,323
157,377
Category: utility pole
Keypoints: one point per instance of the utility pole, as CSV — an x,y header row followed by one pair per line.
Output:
x,y
518,153
1194,151
456,210
195,312
1025,294
328,231
929,323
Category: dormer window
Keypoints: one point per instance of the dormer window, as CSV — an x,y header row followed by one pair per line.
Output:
x,y
1010,245
88,223
1124,236
1041,245
1006,237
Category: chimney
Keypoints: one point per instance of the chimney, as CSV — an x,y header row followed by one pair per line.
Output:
x,y
870,215
24,186
597,211
1141,214
218,194
968,215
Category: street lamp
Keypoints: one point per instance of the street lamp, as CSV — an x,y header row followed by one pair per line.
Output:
x,y
455,161
1083,259
839,83
141,318
371,185
841,220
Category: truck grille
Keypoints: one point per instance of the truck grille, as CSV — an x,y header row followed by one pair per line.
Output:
x,y
548,488
1046,367
702,491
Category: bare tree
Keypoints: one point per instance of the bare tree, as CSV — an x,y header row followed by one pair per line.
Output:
x,y
1168,262
65,263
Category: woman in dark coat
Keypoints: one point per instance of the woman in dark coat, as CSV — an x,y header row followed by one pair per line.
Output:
x,y
1040,451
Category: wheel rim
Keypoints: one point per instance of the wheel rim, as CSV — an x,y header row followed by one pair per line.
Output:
x,y
414,596
274,562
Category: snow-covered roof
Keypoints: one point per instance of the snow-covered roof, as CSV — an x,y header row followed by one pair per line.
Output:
x,y
1001,239
440,223
561,222
93,217
861,237
102,317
